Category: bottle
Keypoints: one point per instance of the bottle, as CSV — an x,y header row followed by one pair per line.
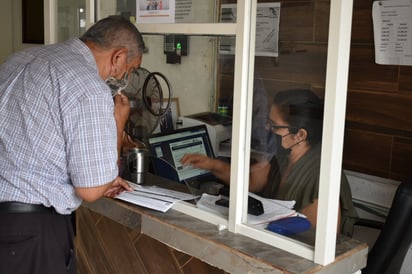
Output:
x,y
137,164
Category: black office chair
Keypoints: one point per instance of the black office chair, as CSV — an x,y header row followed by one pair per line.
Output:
x,y
394,240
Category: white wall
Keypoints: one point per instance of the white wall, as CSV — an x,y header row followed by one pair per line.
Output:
x,y
194,79
196,93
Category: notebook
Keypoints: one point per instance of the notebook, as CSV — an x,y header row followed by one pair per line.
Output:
x,y
167,148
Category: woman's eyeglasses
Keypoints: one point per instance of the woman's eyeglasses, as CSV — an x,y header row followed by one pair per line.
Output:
x,y
271,126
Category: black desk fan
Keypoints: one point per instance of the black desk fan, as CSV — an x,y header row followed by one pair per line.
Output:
x,y
150,96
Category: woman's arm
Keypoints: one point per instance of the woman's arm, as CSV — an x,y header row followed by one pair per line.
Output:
x,y
219,168
258,177
258,172
311,212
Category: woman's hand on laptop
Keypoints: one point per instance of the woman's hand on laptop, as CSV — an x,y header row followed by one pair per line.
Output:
x,y
219,168
197,161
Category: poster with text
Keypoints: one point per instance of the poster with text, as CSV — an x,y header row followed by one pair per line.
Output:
x,y
162,11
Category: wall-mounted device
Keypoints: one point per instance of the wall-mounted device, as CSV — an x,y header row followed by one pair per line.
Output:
x,y
175,46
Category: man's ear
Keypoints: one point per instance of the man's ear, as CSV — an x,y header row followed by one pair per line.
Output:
x,y
119,60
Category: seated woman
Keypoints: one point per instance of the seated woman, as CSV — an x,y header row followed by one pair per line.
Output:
x,y
296,118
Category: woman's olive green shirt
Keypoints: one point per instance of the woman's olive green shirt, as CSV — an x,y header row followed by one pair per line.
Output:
x,y
302,186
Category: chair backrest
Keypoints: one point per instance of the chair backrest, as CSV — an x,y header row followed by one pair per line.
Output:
x,y
395,238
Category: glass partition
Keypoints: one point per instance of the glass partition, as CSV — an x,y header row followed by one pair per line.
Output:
x,y
300,63
71,20
202,81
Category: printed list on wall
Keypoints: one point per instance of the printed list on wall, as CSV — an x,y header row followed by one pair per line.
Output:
x,y
267,29
392,26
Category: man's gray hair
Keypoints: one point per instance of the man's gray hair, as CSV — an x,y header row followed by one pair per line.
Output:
x,y
116,32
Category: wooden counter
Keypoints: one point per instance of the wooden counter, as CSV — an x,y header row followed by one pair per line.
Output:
x,y
117,237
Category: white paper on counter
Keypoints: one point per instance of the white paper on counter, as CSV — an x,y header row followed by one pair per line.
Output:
x,y
273,209
153,197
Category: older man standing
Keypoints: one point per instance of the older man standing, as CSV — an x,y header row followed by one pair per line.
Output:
x,y
59,140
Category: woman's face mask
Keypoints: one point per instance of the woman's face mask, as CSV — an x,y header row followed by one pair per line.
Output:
x,y
280,149
281,129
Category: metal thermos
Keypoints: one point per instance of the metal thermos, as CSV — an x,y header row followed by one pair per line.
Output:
x,y
137,164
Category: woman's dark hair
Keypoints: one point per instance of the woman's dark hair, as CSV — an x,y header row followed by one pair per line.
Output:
x,y
116,32
301,108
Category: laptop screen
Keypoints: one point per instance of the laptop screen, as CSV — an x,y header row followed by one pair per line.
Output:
x,y
168,148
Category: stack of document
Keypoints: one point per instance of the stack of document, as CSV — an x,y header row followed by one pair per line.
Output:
x,y
163,199
273,209
153,197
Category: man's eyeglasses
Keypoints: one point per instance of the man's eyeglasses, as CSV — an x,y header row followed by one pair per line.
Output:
x,y
273,127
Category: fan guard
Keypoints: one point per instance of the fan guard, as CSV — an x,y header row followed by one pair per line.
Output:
x,y
148,102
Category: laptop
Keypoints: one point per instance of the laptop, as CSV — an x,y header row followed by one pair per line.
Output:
x,y
167,148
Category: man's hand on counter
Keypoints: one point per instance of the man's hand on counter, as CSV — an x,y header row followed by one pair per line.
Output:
x,y
118,186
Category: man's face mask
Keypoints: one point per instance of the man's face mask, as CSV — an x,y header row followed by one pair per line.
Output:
x,y
117,85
